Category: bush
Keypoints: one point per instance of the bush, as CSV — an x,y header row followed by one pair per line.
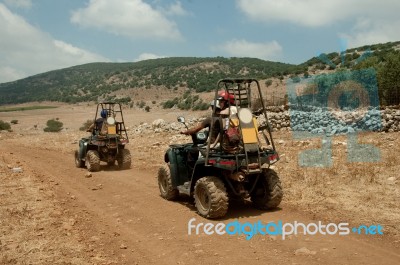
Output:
x,y
86,125
4,125
53,126
147,109
170,103
202,106
388,80
14,122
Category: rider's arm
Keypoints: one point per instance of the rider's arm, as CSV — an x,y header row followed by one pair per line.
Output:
x,y
91,127
193,130
202,125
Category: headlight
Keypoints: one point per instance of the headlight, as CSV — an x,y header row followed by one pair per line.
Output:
x,y
201,136
245,116
110,121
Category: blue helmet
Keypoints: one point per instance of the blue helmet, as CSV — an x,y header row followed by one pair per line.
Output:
x,y
103,113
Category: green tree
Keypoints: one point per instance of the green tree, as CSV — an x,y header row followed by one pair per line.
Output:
x,y
389,81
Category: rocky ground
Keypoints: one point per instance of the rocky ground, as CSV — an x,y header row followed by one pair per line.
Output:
x,y
54,213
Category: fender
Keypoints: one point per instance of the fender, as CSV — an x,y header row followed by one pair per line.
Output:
x,y
83,148
200,170
177,162
170,157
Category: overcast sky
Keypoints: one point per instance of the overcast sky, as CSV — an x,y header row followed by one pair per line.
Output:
x,y
42,35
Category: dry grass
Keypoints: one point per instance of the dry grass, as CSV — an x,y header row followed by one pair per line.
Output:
x,y
355,192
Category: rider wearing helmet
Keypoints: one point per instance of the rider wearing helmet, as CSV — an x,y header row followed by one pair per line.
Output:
x,y
103,113
219,104
227,97
98,124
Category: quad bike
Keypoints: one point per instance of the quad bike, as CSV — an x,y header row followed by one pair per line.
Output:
x,y
107,143
214,173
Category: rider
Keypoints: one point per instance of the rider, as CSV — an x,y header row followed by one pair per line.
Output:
x,y
227,97
219,104
99,122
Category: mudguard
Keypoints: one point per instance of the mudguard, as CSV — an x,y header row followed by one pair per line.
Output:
x,y
178,168
83,148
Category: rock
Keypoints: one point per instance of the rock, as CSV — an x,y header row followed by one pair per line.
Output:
x,y
94,239
122,246
88,175
17,170
304,251
71,221
350,129
391,180
67,226
158,123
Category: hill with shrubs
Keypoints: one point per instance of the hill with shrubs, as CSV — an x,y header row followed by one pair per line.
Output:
x,y
100,81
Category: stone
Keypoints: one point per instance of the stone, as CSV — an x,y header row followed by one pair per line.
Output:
x,y
304,251
391,180
123,246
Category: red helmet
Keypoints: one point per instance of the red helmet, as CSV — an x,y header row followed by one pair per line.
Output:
x,y
227,96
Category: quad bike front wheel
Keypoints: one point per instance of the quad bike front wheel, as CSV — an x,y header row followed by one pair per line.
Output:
x,y
124,159
78,162
92,160
268,193
167,191
211,198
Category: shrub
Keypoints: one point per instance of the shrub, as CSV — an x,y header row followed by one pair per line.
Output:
x,y
86,125
4,125
170,103
53,126
202,106
14,122
147,109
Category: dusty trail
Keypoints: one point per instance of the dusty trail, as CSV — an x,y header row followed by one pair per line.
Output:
x,y
121,213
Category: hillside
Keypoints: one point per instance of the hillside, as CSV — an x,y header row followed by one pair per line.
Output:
x,y
100,81
95,81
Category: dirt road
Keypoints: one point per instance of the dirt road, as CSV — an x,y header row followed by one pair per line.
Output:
x,y
51,213
118,217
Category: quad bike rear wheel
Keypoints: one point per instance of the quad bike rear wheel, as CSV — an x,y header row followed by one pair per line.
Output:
x,y
268,193
211,198
92,160
79,163
124,159
167,191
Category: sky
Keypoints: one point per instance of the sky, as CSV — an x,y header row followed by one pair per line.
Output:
x,y
37,36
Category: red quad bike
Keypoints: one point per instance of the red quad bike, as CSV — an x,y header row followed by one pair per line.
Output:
x,y
214,172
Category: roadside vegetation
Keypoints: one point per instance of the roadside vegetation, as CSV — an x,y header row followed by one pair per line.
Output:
x,y
25,108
